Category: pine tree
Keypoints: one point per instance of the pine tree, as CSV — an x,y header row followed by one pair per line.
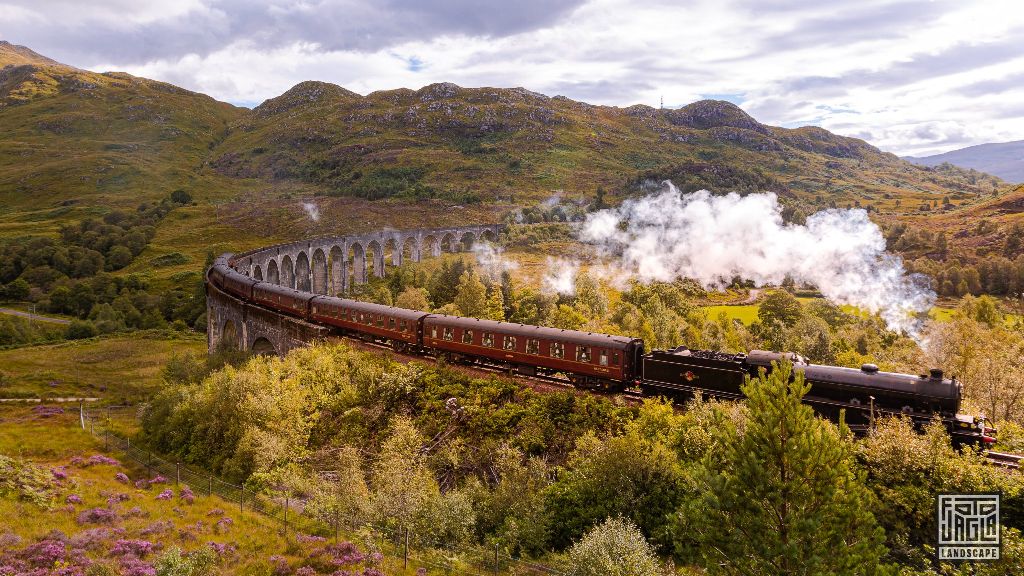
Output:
x,y
782,496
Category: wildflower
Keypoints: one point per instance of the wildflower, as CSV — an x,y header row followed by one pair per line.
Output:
x,y
305,571
165,495
73,499
159,527
186,495
117,499
97,516
132,566
136,548
158,480
223,525
60,473
97,459
122,478
91,539
47,411
222,550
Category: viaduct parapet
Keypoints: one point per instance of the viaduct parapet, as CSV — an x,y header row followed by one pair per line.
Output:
x,y
330,265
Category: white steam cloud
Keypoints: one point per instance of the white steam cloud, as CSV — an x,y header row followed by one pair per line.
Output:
x,y
561,276
312,210
713,239
491,259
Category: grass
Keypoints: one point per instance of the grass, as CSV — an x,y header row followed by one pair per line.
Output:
x,y
116,368
54,443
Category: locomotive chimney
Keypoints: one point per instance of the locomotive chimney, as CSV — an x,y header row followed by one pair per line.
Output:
x,y
936,373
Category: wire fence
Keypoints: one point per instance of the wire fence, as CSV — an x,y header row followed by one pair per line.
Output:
x,y
282,509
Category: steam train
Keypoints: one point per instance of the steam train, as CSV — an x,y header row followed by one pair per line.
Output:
x,y
616,363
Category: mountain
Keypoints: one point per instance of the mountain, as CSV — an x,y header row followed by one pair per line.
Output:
x,y
471,144
1005,160
77,144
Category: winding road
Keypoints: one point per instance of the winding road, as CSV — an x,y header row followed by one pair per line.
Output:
x,y
31,316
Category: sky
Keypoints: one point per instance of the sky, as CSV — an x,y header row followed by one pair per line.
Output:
x,y
912,77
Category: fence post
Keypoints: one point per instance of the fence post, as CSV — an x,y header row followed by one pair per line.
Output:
x,y
177,474
495,559
406,547
286,519
210,493
241,500
149,465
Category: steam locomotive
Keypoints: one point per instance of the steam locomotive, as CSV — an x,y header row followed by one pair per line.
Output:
x,y
616,363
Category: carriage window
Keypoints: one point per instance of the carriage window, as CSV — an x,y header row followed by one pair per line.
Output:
x,y
467,336
615,358
602,358
510,342
488,339
449,333
433,331
557,350
403,325
532,346
391,323
380,321
583,354
314,309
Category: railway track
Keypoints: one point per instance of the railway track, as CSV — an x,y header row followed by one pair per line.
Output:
x,y
1004,460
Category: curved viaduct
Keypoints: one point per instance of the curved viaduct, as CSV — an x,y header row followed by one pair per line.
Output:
x,y
330,265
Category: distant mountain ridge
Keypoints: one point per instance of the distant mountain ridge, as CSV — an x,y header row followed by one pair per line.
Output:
x,y
1002,159
76,143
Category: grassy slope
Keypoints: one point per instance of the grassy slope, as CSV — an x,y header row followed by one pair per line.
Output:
x,y
117,368
26,435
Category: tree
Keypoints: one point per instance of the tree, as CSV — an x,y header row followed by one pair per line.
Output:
x,y
782,497
780,307
181,197
630,475
614,548
471,297
118,257
495,305
567,318
413,298
79,329
17,290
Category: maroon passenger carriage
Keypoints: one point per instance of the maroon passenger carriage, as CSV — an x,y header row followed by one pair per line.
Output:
x,y
590,360
369,321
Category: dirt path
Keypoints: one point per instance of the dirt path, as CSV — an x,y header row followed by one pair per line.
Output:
x,y
31,316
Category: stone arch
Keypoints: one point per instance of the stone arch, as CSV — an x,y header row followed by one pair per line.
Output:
x,y
448,243
257,272
431,243
302,272
410,250
319,272
339,270
466,241
287,271
229,338
392,253
489,236
375,256
264,346
273,273
357,255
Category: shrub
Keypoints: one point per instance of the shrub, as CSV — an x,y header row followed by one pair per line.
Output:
x,y
80,329
615,547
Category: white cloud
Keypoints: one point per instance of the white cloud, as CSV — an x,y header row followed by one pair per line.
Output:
x,y
912,77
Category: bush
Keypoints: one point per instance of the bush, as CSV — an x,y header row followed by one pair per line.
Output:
x,y
79,329
614,548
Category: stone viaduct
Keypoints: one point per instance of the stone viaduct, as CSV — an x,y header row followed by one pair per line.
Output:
x,y
330,265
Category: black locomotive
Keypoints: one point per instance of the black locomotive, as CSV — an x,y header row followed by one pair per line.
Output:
x,y
616,363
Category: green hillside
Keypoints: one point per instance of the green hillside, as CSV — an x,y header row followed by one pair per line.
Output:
x,y
78,144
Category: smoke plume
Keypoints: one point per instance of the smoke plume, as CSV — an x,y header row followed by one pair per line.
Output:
x,y
312,210
714,239
491,259
561,276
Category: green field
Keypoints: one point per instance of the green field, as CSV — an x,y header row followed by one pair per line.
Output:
x,y
117,368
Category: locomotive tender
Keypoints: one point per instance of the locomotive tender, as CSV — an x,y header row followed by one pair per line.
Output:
x,y
615,363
